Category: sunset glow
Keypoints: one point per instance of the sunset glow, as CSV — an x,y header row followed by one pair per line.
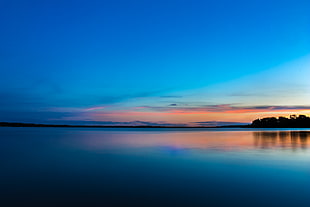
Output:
x,y
167,63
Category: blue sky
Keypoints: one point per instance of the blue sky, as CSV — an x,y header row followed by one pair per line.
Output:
x,y
123,60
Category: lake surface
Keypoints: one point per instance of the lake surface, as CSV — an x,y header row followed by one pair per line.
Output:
x,y
154,167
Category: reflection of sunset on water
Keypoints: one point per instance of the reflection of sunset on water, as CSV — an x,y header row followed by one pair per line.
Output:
x,y
217,140
281,139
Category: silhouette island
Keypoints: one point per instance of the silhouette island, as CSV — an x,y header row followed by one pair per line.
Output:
x,y
301,121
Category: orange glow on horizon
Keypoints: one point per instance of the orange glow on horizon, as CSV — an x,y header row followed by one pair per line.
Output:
x,y
188,116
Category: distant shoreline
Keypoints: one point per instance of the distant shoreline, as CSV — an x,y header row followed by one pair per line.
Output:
x,y
14,124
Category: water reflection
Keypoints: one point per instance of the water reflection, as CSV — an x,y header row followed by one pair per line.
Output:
x,y
74,167
182,141
281,139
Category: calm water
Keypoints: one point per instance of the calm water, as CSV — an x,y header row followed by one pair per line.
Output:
x,y
154,167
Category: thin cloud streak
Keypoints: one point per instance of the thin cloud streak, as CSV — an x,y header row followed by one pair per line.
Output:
x,y
218,123
227,108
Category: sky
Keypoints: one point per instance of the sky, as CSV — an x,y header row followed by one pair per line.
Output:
x,y
142,62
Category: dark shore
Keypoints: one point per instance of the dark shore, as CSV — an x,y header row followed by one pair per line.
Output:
x,y
14,124
301,121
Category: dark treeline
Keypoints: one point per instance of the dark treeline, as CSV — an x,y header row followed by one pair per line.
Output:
x,y
12,124
301,121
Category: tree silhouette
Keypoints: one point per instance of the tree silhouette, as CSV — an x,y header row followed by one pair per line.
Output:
x,y
301,121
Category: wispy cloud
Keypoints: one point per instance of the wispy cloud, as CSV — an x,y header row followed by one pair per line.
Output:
x,y
217,123
115,123
171,96
94,108
225,108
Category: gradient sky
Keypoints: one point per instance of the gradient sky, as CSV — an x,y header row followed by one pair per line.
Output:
x,y
194,62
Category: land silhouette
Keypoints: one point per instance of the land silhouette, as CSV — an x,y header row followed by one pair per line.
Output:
x,y
15,124
294,121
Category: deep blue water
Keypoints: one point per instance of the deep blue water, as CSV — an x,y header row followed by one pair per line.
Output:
x,y
154,167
